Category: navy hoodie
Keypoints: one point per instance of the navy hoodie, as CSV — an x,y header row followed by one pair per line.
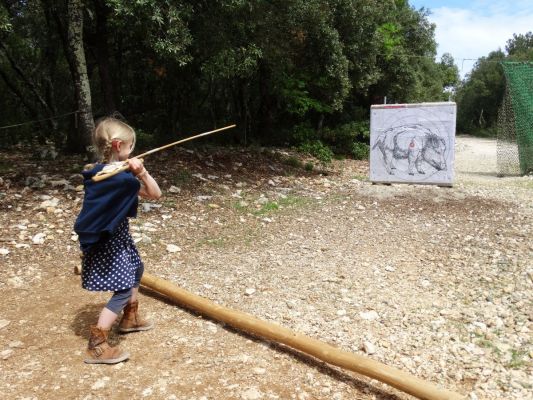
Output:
x,y
105,205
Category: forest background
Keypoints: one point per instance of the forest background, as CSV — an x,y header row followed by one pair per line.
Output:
x,y
299,73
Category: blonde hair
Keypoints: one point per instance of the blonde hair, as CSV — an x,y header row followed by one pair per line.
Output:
x,y
107,130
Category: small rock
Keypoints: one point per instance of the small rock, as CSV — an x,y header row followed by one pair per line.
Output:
x,y
369,348
172,248
16,344
174,189
5,354
38,238
262,200
4,323
52,203
4,251
249,291
369,315
252,394
259,371
100,383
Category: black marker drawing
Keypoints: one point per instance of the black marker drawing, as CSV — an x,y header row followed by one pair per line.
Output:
x,y
414,142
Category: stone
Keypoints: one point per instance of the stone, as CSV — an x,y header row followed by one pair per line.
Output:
x,y
38,238
4,251
4,323
252,394
369,348
369,315
5,354
172,248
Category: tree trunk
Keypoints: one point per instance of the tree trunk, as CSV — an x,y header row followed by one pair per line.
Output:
x,y
102,55
79,141
265,116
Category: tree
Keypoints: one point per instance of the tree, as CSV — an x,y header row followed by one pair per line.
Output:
x,y
520,47
82,139
480,95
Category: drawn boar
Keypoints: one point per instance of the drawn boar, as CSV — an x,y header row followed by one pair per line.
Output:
x,y
414,143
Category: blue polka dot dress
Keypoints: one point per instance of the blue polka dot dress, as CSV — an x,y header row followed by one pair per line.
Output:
x,y
111,265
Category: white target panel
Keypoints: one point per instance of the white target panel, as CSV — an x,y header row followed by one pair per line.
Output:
x,y
412,143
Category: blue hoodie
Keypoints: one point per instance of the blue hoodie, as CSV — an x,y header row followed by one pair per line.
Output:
x,y
105,205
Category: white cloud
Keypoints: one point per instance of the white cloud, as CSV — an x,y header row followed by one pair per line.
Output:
x,y
471,34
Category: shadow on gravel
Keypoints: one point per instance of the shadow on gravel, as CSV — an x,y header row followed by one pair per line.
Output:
x,y
320,366
87,316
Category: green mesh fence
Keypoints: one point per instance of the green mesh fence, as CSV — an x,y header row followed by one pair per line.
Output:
x,y
515,120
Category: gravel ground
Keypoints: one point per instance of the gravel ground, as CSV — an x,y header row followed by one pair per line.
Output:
x,y
434,281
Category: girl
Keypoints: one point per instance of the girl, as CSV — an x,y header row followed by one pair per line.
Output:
x,y
110,261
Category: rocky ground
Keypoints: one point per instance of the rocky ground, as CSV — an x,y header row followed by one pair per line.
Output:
x,y
434,281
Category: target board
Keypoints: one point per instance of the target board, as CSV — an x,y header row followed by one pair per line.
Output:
x,y
412,143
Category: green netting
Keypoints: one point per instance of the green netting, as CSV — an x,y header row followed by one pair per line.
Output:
x,y
515,120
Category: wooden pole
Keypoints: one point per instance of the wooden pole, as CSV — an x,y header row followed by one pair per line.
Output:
x,y
323,351
104,174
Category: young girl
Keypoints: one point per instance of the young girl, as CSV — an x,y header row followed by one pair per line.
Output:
x,y
110,260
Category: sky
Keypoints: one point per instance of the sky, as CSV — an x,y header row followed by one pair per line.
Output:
x,y
469,30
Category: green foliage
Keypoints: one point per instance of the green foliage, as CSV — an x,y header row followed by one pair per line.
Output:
x,y
303,133
343,137
160,24
5,24
480,96
293,162
173,66
297,99
390,37
318,150
360,151
144,140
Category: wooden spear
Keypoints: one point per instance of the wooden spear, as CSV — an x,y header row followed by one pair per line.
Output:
x,y
323,351
107,173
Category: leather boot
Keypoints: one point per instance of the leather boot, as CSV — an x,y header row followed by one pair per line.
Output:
x,y
100,352
131,322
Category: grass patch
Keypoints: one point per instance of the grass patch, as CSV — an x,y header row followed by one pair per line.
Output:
x,y
517,359
267,208
285,202
487,344
240,207
361,177
293,161
292,201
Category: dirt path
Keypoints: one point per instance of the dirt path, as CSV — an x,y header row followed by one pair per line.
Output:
x,y
434,281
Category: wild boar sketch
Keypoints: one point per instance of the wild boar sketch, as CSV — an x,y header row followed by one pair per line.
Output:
x,y
413,142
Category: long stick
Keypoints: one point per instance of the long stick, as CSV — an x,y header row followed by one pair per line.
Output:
x,y
100,176
323,351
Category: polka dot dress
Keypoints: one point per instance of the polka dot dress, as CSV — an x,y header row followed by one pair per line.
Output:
x,y
111,265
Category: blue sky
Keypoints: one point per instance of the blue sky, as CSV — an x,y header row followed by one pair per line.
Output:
x,y
472,29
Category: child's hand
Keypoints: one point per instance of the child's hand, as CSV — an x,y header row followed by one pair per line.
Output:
x,y
136,166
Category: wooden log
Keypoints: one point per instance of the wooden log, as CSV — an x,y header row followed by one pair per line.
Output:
x,y
323,351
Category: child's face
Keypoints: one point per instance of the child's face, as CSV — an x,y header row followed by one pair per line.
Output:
x,y
124,149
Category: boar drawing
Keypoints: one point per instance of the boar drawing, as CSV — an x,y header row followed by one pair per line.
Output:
x,y
415,143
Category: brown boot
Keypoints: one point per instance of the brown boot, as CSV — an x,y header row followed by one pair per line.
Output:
x,y
131,322
100,352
